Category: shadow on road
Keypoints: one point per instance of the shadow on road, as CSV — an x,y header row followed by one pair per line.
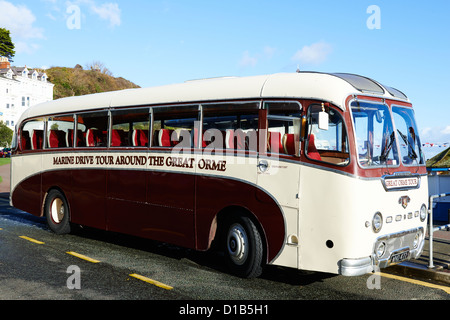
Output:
x,y
211,259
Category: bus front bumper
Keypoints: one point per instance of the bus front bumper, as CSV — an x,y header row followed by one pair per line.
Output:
x,y
388,250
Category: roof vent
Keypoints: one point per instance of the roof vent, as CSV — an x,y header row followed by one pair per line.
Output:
x,y
361,83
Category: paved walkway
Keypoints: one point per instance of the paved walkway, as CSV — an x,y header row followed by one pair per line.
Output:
x,y
5,173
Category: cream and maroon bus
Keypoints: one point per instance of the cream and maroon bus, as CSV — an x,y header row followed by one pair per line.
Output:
x,y
307,170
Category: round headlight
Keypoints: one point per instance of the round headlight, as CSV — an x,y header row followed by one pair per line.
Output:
x,y
380,249
377,222
423,212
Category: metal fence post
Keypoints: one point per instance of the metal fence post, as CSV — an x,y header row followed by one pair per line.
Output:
x,y
430,232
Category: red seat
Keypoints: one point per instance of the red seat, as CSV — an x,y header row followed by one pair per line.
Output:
x,y
80,138
289,144
312,152
37,139
164,138
117,138
239,139
25,141
274,142
57,139
229,139
140,138
95,138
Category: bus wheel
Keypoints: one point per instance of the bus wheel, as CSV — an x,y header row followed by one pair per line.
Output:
x,y
57,212
243,248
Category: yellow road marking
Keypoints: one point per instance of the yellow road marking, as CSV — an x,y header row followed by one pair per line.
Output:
x,y
32,240
422,283
82,257
151,281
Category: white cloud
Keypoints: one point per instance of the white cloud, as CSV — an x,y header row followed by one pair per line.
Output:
x,y
315,53
435,135
19,20
446,130
108,11
26,47
247,60
269,52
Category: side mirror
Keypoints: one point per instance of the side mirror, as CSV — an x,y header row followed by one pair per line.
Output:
x,y
323,119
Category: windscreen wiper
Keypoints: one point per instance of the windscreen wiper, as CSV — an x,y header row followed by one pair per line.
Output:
x,y
411,152
388,148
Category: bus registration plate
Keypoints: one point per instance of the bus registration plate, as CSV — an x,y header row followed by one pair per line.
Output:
x,y
398,257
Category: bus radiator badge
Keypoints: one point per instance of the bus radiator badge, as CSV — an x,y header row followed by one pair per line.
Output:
x,y
404,201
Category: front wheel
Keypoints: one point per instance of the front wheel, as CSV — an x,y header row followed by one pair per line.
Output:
x,y
57,212
243,247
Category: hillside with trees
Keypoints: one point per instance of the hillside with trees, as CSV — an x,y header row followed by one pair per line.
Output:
x,y
77,81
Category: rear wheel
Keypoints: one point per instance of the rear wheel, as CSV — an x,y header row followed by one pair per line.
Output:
x,y
243,247
57,212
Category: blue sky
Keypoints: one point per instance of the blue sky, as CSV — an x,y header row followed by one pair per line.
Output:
x,y
404,44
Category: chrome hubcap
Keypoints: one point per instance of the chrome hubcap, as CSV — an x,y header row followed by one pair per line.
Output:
x,y
57,210
237,244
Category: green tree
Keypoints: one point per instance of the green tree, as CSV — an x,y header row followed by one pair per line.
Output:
x,y
6,135
6,44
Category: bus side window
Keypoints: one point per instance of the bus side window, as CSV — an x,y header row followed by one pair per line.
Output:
x,y
130,128
230,126
60,132
92,130
32,135
283,131
330,145
176,127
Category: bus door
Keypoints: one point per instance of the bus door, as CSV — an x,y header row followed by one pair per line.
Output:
x,y
278,171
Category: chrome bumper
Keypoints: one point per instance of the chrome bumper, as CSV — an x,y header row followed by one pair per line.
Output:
x,y
399,245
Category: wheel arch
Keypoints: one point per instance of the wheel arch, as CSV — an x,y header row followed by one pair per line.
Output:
x,y
226,214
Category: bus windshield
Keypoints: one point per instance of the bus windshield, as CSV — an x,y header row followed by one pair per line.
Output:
x,y
378,142
407,133
375,136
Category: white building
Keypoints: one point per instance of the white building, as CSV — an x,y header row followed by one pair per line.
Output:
x,y
21,88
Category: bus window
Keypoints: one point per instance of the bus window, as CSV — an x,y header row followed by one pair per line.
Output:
x,y
32,135
130,128
175,127
330,145
230,126
284,121
92,129
407,135
374,131
60,132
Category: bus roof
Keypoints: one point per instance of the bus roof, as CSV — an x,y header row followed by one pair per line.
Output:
x,y
334,88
